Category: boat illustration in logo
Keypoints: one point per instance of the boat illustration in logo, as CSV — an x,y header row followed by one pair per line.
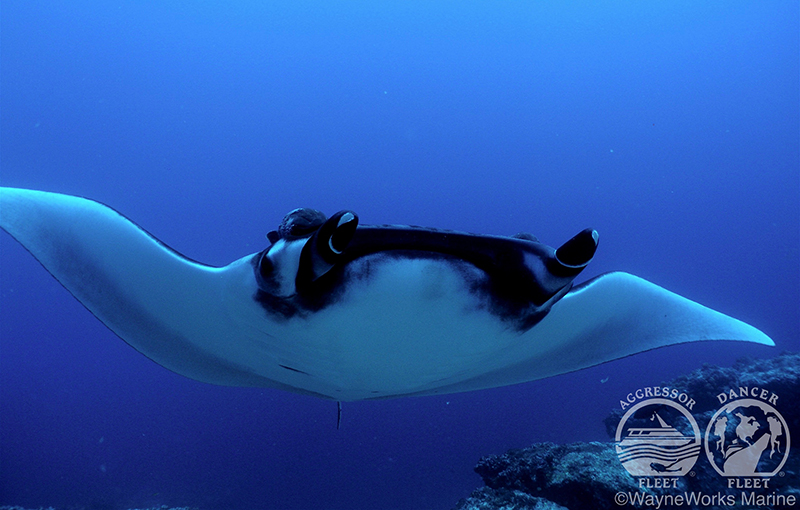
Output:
x,y
660,450
664,435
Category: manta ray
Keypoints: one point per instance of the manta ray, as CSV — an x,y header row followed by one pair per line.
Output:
x,y
348,312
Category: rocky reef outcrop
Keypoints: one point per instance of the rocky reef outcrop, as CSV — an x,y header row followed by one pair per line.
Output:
x,y
580,476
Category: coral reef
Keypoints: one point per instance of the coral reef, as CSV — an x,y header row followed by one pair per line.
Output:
x,y
780,374
546,475
590,476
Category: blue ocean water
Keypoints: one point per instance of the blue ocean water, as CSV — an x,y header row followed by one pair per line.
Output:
x,y
672,128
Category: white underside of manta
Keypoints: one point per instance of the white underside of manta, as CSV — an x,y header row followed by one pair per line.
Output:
x,y
412,328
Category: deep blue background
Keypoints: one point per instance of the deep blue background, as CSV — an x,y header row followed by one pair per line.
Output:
x,y
671,127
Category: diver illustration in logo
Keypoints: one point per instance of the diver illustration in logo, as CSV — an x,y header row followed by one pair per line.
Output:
x,y
657,437
719,430
750,439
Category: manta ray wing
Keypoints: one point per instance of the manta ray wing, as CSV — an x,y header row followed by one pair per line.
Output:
x,y
161,303
612,316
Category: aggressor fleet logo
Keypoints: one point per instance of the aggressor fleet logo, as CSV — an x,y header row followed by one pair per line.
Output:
x,y
658,436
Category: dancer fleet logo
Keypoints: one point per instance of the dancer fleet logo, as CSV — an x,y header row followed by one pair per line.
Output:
x,y
747,437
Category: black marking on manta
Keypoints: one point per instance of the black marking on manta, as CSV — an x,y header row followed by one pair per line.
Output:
x,y
519,278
